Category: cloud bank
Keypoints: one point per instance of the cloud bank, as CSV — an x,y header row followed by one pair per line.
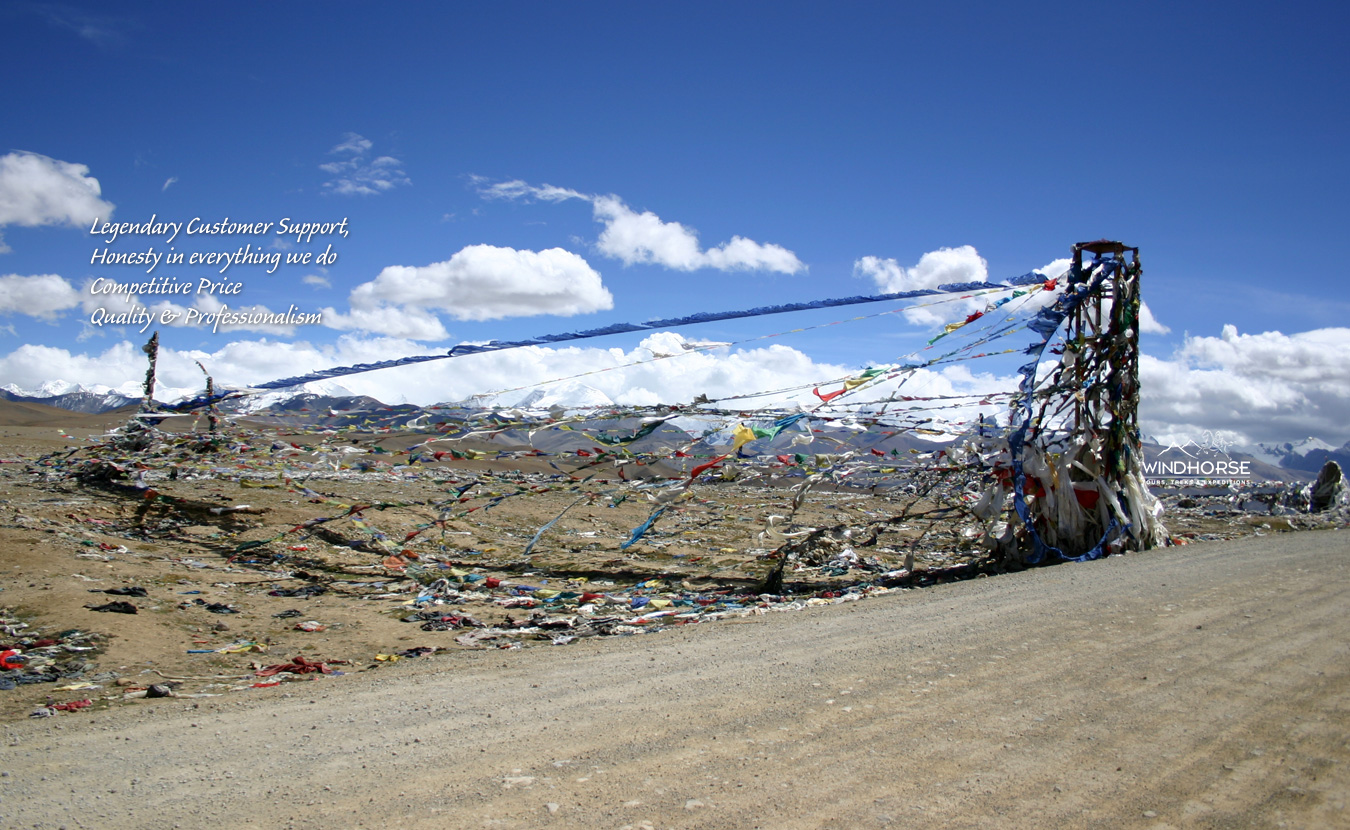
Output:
x,y
1267,388
717,373
1249,388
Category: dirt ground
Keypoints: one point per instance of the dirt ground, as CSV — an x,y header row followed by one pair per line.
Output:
x,y
332,547
1203,685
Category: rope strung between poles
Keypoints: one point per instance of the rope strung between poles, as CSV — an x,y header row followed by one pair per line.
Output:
x,y
674,322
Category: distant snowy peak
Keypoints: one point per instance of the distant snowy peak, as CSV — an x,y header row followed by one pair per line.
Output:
x,y
1289,448
1309,454
91,400
1309,444
56,388
98,398
568,395
326,388
564,395
52,388
321,390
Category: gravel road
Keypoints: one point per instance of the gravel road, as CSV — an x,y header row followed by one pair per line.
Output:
x,y
1203,686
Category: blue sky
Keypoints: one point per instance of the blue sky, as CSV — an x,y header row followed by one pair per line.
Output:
x,y
819,135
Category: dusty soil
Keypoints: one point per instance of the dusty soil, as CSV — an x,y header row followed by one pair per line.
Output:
x,y
341,534
1203,685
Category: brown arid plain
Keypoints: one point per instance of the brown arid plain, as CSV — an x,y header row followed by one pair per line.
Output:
x,y
1200,685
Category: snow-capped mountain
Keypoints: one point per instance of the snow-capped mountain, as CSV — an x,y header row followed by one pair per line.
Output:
x,y
568,396
1310,454
317,394
92,400
56,388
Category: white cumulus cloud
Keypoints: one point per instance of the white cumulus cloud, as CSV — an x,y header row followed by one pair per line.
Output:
x,y
43,296
480,282
1148,324
37,190
643,237
634,237
935,268
394,321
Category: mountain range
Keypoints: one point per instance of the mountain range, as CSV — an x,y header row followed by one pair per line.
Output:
x,y
1309,455
325,403
89,400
